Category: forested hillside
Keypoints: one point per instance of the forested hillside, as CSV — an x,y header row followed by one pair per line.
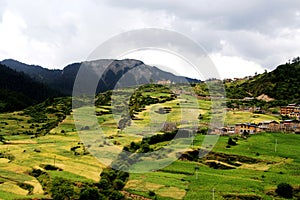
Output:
x,y
280,84
18,90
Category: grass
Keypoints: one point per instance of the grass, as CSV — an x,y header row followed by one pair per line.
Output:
x,y
14,123
83,168
163,184
175,181
233,117
247,180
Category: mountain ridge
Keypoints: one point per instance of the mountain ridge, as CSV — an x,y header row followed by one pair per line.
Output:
x,y
112,71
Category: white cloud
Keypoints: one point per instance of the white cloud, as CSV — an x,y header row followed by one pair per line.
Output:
x,y
56,33
11,33
235,67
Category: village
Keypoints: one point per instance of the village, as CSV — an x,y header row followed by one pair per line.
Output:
x,y
290,125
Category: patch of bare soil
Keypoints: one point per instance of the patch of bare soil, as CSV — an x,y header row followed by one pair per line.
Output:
x,y
264,97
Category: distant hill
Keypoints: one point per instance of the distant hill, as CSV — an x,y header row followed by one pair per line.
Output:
x,y
280,84
18,90
52,78
126,72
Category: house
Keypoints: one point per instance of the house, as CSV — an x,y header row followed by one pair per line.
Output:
x,y
227,130
164,82
246,128
289,125
291,110
272,126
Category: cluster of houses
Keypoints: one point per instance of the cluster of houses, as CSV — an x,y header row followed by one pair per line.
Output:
x,y
267,126
164,82
292,125
291,110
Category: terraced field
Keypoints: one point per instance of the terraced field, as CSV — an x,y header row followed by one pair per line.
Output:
x,y
249,170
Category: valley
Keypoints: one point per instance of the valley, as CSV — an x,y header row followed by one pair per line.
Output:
x,y
43,138
159,139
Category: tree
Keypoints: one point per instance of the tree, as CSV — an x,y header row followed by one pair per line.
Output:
x,y
91,193
62,189
145,148
296,59
116,195
104,184
118,184
285,190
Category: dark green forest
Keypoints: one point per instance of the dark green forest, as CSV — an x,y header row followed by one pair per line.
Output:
x,y
18,91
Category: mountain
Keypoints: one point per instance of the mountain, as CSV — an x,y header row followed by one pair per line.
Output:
x,y
35,71
127,72
280,84
18,90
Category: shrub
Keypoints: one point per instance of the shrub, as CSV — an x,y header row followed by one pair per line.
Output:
x,y
37,150
151,193
284,190
231,142
145,148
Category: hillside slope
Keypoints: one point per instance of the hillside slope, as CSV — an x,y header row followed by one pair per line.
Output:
x,y
129,71
18,90
280,84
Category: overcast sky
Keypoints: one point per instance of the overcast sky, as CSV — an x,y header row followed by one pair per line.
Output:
x,y
241,37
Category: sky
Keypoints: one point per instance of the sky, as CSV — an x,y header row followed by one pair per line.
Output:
x,y
240,37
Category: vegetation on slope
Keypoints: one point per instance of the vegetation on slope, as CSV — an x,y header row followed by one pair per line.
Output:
x,y
281,84
36,120
18,90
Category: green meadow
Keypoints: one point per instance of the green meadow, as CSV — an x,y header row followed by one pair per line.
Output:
x,y
251,169
249,180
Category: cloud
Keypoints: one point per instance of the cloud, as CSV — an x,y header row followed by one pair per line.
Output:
x,y
224,14
252,29
11,27
56,33
235,67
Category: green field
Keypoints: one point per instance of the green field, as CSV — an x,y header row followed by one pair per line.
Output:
x,y
248,179
233,117
255,167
